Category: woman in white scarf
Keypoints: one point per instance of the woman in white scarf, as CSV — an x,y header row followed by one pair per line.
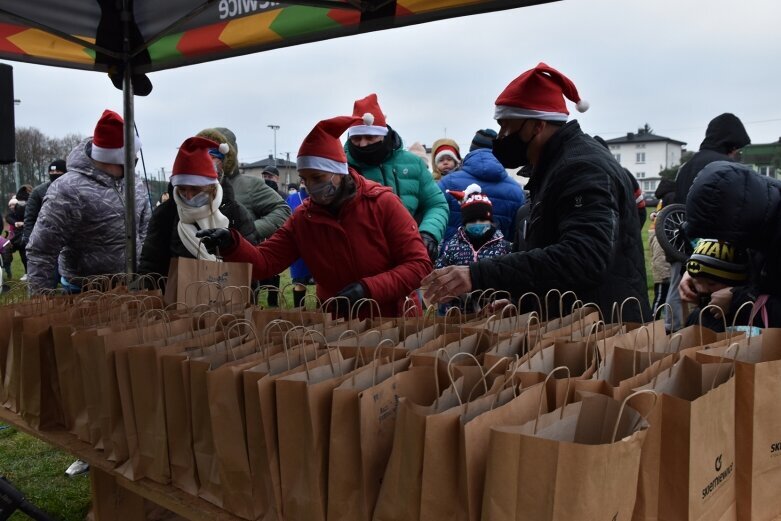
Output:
x,y
197,193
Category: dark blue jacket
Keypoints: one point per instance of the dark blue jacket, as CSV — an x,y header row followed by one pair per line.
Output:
x,y
481,167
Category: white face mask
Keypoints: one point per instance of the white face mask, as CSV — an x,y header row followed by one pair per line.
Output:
x,y
202,199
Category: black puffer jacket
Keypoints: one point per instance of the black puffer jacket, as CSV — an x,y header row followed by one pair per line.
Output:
x,y
582,235
725,133
33,208
730,202
162,239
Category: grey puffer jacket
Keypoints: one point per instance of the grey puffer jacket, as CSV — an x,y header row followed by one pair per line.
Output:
x,y
82,222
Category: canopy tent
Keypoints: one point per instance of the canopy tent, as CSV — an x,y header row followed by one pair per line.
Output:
x,y
129,38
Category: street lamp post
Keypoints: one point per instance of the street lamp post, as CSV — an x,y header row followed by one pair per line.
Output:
x,y
274,128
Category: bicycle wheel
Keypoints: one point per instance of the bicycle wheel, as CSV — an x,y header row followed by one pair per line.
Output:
x,y
670,234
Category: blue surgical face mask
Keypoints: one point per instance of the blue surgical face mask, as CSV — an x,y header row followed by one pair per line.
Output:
x,y
199,200
477,230
324,192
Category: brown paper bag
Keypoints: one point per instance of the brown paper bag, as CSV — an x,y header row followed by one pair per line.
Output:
x,y
40,402
303,423
577,462
688,464
349,473
400,493
198,281
757,422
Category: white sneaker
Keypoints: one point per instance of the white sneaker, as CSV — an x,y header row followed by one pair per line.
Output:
x,y
23,278
76,468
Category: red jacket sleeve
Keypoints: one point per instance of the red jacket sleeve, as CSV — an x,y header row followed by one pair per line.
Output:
x,y
409,257
270,257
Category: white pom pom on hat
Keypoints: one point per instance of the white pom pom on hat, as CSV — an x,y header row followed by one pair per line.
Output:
x,y
224,148
368,118
582,105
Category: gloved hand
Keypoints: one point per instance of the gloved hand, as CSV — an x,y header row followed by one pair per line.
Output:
x,y
353,292
216,238
432,246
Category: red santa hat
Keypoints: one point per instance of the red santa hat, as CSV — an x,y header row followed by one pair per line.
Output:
x,y
538,94
193,165
446,151
108,140
370,121
322,150
475,205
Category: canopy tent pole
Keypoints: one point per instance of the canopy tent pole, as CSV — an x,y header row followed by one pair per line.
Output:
x,y
130,172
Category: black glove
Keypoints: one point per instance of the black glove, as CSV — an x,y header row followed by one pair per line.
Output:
x,y
216,239
353,292
431,244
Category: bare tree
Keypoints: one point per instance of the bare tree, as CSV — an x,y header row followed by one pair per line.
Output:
x,y
61,147
32,151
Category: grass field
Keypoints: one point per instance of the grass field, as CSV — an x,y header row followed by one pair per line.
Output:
x,y
39,471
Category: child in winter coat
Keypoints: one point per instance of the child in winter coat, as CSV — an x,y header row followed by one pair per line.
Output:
x,y
477,238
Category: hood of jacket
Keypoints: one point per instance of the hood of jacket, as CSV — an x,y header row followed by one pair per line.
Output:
x,y
725,133
483,165
730,202
665,187
230,165
436,172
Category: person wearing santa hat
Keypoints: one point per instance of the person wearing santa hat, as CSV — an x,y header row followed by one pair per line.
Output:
x,y
445,156
375,150
477,238
198,201
582,233
82,220
354,234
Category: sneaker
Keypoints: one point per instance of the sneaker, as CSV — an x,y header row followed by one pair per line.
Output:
x,y
77,468
24,278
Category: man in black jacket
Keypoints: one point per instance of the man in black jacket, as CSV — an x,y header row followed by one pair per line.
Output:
x,y
33,208
724,138
582,233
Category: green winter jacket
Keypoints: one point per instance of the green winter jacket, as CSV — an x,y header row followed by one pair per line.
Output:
x,y
409,178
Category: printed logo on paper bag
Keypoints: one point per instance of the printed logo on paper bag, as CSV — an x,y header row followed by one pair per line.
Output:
x,y
220,279
719,479
615,517
775,449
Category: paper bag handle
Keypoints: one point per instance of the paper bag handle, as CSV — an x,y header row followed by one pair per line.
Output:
x,y
634,347
374,360
533,295
452,379
538,339
623,404
712,306
356,308
721,361
276,323
544,390
351,332
595,328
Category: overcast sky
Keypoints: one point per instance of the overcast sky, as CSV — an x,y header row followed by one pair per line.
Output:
x,y
674,64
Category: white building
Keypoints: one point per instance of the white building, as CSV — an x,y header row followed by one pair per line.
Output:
x,y
645,155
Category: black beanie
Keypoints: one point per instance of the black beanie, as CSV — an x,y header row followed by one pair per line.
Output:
x,y
719,261
484,138
58,165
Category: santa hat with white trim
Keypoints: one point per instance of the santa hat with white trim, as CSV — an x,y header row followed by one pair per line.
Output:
x,y
370,121
446,151
193,165
539,94
108,140
322,150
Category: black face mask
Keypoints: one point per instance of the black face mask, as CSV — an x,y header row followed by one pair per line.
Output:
x,y
511,151
273,184
373,154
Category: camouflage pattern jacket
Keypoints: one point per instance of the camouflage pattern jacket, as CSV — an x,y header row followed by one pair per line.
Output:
x,y
83,223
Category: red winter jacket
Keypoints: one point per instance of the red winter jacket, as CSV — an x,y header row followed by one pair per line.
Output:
x,y
372,240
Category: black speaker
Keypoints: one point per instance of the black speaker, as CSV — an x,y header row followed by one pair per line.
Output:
x,y
7,128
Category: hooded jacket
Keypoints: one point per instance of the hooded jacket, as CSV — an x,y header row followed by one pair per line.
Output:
x,y
82,221
265,205
436,172
163,242
482,167
724,134
372,240
409,178
582,232
730,202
